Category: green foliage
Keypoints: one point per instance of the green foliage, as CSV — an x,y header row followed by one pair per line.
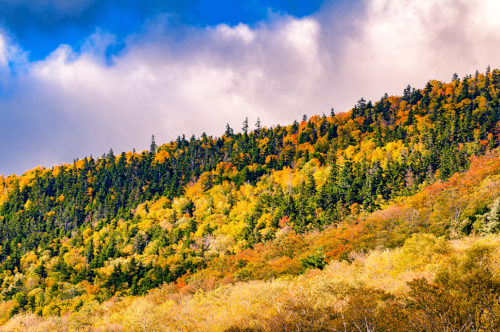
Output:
x,y
128,223
490,221
316,260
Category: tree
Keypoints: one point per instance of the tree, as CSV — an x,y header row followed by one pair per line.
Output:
x,y
110,157
229,131
153,146
116,277
464,296
245,126
41,270
407,93
315,260
89,252
488,222
258,126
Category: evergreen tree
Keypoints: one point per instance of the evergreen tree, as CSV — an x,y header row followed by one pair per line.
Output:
x,y
153,146
41,270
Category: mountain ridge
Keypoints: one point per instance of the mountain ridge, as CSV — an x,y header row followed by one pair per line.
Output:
x,y
201,213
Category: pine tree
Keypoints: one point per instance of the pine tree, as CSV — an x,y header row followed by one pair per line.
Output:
x,y
245,126
229,131
41,270
258,126
153,146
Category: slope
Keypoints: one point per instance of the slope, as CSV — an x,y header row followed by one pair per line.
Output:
x,y
201,211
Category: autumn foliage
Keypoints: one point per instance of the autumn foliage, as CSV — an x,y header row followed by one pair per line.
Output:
x,y
385,217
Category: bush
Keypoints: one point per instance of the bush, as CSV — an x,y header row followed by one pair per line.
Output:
x,y
316,260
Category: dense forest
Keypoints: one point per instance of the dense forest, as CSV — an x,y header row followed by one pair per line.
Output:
x,y
283,210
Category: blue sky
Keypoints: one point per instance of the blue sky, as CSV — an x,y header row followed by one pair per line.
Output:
x,y
41,28
80,77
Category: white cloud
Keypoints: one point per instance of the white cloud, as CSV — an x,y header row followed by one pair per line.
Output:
x,y
240,31
3,51
399,41
75,104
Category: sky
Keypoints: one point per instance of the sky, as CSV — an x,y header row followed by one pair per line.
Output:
x,y
79,77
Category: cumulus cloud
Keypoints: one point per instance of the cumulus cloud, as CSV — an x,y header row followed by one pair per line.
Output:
x,y
75,102
398,41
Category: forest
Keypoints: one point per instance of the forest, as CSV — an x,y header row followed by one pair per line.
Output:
x,y
386,217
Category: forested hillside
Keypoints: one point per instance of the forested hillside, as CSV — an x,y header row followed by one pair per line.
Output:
x,y
319,199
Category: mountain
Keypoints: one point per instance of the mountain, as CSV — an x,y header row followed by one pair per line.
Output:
x,y
396,201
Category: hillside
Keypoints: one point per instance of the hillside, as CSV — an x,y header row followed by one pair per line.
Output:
x,y
393,191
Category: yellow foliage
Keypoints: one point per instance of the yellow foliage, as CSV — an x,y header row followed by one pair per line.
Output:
x,y
161,156
261,303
